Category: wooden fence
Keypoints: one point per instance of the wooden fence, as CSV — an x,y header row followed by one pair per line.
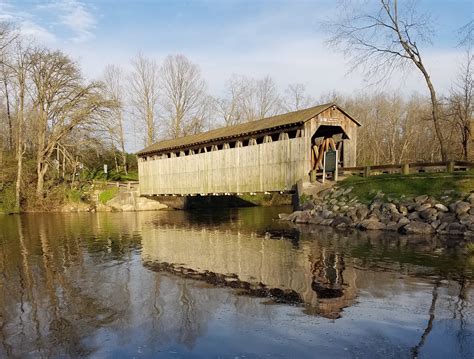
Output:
x,y
407,168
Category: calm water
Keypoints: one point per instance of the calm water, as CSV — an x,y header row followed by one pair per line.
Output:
x,y
230,284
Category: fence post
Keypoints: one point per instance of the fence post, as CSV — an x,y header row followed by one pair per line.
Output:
x,y
367,171
450,167
406,169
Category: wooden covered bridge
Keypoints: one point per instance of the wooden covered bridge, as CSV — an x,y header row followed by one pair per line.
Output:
x,y
267,155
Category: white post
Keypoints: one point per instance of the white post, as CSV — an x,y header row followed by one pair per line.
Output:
x,y
336,171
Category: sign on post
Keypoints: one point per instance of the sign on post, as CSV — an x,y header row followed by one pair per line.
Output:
x,y
330,164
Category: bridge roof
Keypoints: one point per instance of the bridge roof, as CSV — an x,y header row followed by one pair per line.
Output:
x,y
240,130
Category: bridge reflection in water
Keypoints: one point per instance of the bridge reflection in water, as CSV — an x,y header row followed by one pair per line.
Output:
x,y
75,285
255,264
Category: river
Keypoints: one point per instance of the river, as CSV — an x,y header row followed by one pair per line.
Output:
x,y
227,283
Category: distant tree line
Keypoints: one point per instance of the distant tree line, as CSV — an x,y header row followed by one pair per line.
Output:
x,y
55,125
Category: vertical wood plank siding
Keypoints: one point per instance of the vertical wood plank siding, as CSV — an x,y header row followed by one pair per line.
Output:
x,y
273,166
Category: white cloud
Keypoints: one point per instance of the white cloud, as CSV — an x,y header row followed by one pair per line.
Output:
x,y
37,32
77,17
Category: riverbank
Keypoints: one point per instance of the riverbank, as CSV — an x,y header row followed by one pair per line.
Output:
x,y
416,204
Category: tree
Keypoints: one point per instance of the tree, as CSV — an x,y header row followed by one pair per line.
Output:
x,y
266,97
184,99
248,99
462,104
296,98
62,103
8,35
144,94
385,40
113,86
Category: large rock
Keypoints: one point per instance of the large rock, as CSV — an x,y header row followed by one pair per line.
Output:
x,y
421,199
371,224
423,207
292,217
470,199
456,228
362,213
303,217
428,214
417,228
441,207
341,221
462,207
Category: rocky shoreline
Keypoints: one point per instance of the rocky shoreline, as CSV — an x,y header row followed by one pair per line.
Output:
x,y
451,214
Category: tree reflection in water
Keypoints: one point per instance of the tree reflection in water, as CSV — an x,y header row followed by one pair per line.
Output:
x,y
76,285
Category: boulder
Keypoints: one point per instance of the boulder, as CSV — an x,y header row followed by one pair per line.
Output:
x,y
470,199
371,224
417,228
292,217
441,207
423,207
341,220
428,214
303,217
327,222
283,216
421,199
447,217
306,206
456,228
403,209
402,221
392,226
413,216
315,219
462,207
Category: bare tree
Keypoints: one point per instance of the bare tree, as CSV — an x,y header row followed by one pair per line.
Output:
x,y
8,35
296,98
386,40
248,99
144,94
461,102
114,122
230,108
266,97
61,104
184,98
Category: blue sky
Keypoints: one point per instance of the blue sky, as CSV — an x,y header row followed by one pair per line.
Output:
x,y
283,39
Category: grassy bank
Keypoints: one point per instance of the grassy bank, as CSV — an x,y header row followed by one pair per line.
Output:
x,y
397,185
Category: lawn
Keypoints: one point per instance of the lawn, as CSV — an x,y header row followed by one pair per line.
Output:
x,y
396,185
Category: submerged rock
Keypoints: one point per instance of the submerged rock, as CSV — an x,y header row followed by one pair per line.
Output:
x,y
417,228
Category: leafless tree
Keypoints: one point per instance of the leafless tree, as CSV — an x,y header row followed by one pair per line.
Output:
x,y
62,103
248,99
296,98
8,35
386,40
184,98
114,121
266,97
144,94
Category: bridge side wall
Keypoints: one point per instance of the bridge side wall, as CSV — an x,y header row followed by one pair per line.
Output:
x,y
274,166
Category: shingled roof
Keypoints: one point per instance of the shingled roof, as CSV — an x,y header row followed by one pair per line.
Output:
x,y
253,127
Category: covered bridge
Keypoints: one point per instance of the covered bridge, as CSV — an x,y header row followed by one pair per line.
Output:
x,y
266,155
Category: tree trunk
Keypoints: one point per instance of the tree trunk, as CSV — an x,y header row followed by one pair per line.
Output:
x,y
9,116
19,153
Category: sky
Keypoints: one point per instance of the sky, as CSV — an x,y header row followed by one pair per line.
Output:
x,y
283,39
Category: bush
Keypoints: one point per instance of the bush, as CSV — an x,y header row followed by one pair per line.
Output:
x,y
7,199
108,194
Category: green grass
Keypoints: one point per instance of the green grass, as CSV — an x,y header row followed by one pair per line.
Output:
x,y
74,195
397,185
108,194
